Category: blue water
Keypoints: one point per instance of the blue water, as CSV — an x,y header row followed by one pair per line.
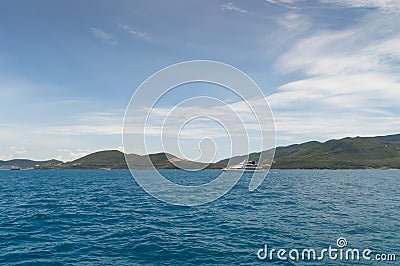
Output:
x,y
104,217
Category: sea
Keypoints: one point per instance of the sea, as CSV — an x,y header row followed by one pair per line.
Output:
x,y
98,217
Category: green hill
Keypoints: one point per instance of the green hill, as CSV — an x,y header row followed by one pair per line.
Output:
x,y
347,153
381,152
114,159
267,155
25,163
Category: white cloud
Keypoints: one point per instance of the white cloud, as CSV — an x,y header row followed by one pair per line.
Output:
x,y
13,152
162,121
351,82
65,139
131,31
90,123
67,155
233,7
384,5
284,3
104,117
293,21
189,123
365,47
81,130
301,126
104,36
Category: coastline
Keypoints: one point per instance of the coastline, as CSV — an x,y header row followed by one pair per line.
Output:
x,y
211,169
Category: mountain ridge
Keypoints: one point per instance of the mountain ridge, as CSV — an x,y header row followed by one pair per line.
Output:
x,y
26,163
380,152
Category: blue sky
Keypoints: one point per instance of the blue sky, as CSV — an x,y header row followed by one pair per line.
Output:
x,y
329,68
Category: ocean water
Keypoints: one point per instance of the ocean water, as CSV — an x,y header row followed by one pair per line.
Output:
x,y
104,217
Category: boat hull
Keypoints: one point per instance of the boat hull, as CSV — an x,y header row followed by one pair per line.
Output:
x,y
245,170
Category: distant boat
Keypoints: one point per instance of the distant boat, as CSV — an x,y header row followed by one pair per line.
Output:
x,y
9,167
249,167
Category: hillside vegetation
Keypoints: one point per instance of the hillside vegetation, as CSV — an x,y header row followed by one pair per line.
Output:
x,y
348,153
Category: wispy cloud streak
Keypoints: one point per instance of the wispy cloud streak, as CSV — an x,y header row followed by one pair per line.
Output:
x,y
350,78
104,36
233,7
389,6
131,31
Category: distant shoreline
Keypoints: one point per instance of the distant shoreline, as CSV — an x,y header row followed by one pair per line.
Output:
x,y
173,169
351,153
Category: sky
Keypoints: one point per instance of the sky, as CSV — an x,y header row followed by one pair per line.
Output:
x,y
68,69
